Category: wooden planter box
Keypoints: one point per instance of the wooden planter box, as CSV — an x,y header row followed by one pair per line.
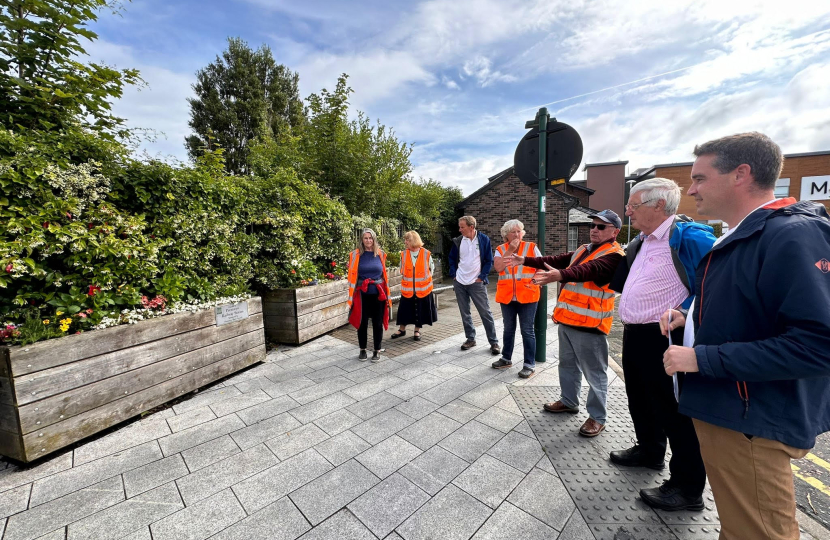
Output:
x,y
54,393
297,315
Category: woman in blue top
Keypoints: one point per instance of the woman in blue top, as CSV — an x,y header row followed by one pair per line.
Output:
x,y
369,272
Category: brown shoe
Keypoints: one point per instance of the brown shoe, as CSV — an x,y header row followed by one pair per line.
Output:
x,y
469,344
591,428
558,406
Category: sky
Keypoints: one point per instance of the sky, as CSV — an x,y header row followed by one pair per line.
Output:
x,y
640,81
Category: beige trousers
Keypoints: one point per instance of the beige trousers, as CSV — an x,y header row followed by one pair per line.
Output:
x,y
752,482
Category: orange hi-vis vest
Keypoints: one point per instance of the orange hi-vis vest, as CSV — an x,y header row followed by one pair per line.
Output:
x,y
354,259
515,280
416,279
587,305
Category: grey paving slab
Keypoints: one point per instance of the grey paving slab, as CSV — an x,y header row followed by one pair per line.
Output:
x,y
267,409
372,386
509,405
237,403
59,534
154,474
49,516
296,441
481,373
412,387
412,370
500,419
361,373
209,480
434,469
545,464
450,515
321,407
416,407
640,532
524,428
447,371
374,405
128,516
280,388
427,431
486,395
382,426
448,391
337,422
341,526
124,438
252,385
460,411
200,399
471,440
326,373
210,452
275,483
576,529
324,496
262,431
388,504
141,534
388,456
342,447
543,496
323,389
202,520
518,451
621,505
489,480
18,475
191,418
63,483
278,521
196,435
14,500
510,523
471,359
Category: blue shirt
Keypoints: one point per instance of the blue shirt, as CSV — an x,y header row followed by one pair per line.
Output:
x,y
369,267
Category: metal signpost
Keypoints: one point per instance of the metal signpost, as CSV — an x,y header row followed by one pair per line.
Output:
x,y
559,155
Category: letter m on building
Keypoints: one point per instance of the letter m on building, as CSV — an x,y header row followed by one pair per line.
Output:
x,y
816,188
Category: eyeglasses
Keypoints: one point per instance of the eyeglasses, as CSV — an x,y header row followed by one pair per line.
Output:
x,y
633,207
598,226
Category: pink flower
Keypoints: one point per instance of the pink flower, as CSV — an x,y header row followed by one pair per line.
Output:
x,y
293,271
82,315
333,264
9,268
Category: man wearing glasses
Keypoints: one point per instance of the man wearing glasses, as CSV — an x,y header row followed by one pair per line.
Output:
x,y
658,273
584,311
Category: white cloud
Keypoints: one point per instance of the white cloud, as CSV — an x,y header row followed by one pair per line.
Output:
x,y
468,175
480,67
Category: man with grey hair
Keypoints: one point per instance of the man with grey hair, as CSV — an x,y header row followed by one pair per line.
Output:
x,y
658,273
471,258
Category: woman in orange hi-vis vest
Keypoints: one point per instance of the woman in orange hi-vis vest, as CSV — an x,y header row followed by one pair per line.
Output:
x,y
517,295
418,304
369,292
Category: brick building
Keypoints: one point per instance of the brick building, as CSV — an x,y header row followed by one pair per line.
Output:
x,y
805,176
505,197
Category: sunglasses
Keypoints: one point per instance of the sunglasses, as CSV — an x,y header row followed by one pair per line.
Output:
x,y
598,226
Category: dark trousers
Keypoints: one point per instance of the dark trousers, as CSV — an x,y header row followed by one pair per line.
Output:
x,y
371,308
654,409
526,313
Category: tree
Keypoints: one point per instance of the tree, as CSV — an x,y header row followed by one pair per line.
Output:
x,y
42,84
366,166
241,97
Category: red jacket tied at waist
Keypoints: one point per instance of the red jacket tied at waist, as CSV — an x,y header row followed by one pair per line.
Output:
x,y
357,302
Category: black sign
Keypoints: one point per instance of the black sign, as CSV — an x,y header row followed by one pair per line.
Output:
x,y
564,154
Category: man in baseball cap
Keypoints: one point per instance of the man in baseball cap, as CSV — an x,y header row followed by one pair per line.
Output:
x,y
584,312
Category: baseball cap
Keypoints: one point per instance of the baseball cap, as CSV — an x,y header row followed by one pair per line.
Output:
x,y
608,216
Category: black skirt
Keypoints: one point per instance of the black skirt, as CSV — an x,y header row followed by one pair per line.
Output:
x,y
418,311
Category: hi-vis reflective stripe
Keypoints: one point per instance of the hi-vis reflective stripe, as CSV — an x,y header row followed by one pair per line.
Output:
x,y
584,311
594,293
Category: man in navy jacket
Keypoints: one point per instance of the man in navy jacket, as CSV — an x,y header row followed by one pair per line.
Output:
x,y
471,258
758,368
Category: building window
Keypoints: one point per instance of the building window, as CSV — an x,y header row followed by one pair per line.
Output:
x,y
782,188
573,238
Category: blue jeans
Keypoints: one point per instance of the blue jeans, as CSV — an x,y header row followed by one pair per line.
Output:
x,y
527,315
477,292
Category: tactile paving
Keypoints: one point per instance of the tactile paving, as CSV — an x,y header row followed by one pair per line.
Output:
x,y
607,496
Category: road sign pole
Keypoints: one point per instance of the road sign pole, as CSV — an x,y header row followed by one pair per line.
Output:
x,y
541,325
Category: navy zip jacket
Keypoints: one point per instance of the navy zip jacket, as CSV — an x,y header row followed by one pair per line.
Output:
x,y
762,327
485,250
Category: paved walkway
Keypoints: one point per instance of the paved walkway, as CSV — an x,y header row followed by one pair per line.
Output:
x,y
314,444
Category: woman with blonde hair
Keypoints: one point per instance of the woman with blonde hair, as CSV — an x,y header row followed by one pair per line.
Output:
x,y
418,304
368,292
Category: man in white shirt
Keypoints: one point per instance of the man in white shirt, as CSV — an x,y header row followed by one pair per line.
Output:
x,y
471,258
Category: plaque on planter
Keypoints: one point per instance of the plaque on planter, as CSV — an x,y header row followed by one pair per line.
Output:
x,y
231,313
